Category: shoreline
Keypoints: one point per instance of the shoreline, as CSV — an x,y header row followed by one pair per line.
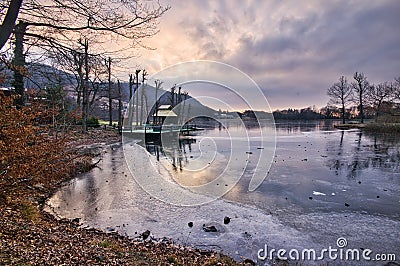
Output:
x,y
31,235
373,127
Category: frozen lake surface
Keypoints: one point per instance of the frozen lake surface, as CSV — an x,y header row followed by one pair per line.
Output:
x,y
323,185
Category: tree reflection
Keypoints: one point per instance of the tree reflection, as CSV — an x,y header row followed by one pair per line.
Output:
x,y
175,151
352,156
293,127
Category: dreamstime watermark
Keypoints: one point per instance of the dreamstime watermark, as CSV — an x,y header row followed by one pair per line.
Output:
x,y
165,105
338,252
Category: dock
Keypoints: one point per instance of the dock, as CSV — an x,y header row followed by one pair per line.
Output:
x,y
152,132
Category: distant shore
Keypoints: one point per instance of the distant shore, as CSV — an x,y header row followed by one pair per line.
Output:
x,y
377,127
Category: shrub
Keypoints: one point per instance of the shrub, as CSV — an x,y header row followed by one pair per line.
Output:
x,y
383,127
93,122
29,155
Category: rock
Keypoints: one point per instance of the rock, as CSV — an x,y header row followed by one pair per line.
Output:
x,y
246,235
205,252
227,220
145,234
76,220
190,224
249,262
39,186
209,228
110,229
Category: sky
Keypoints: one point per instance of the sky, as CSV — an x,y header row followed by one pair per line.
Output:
x,y
294,50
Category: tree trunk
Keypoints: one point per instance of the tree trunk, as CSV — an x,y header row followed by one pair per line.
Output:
x,y
96,88
343,113
119,108
9,21
155,115
137,96
78,99
110,118
85,100
378,108
142,104
361,105
131,101
146,104
18,62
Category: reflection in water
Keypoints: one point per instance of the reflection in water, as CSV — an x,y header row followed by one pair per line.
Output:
x,y
296,127
365,152
176,152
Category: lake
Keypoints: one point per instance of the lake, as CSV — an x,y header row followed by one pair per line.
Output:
x,y
323,184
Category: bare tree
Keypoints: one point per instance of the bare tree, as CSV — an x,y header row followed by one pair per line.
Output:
x,y
108,65
377,95
88,69
179,97
183,117
172,96
143,97
341,93
137,96
360,86
119,107
53,25
158,84
131,100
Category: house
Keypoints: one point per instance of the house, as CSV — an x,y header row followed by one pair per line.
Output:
x,y
164,111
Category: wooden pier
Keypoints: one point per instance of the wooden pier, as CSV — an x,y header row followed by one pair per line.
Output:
x,y
152,132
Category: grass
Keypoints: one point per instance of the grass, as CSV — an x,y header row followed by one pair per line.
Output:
x,y
29,211
172,259
384,124
104,122
388,119
380,127
107,244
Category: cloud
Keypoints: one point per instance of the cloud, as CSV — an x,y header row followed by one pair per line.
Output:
x,y
292,49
